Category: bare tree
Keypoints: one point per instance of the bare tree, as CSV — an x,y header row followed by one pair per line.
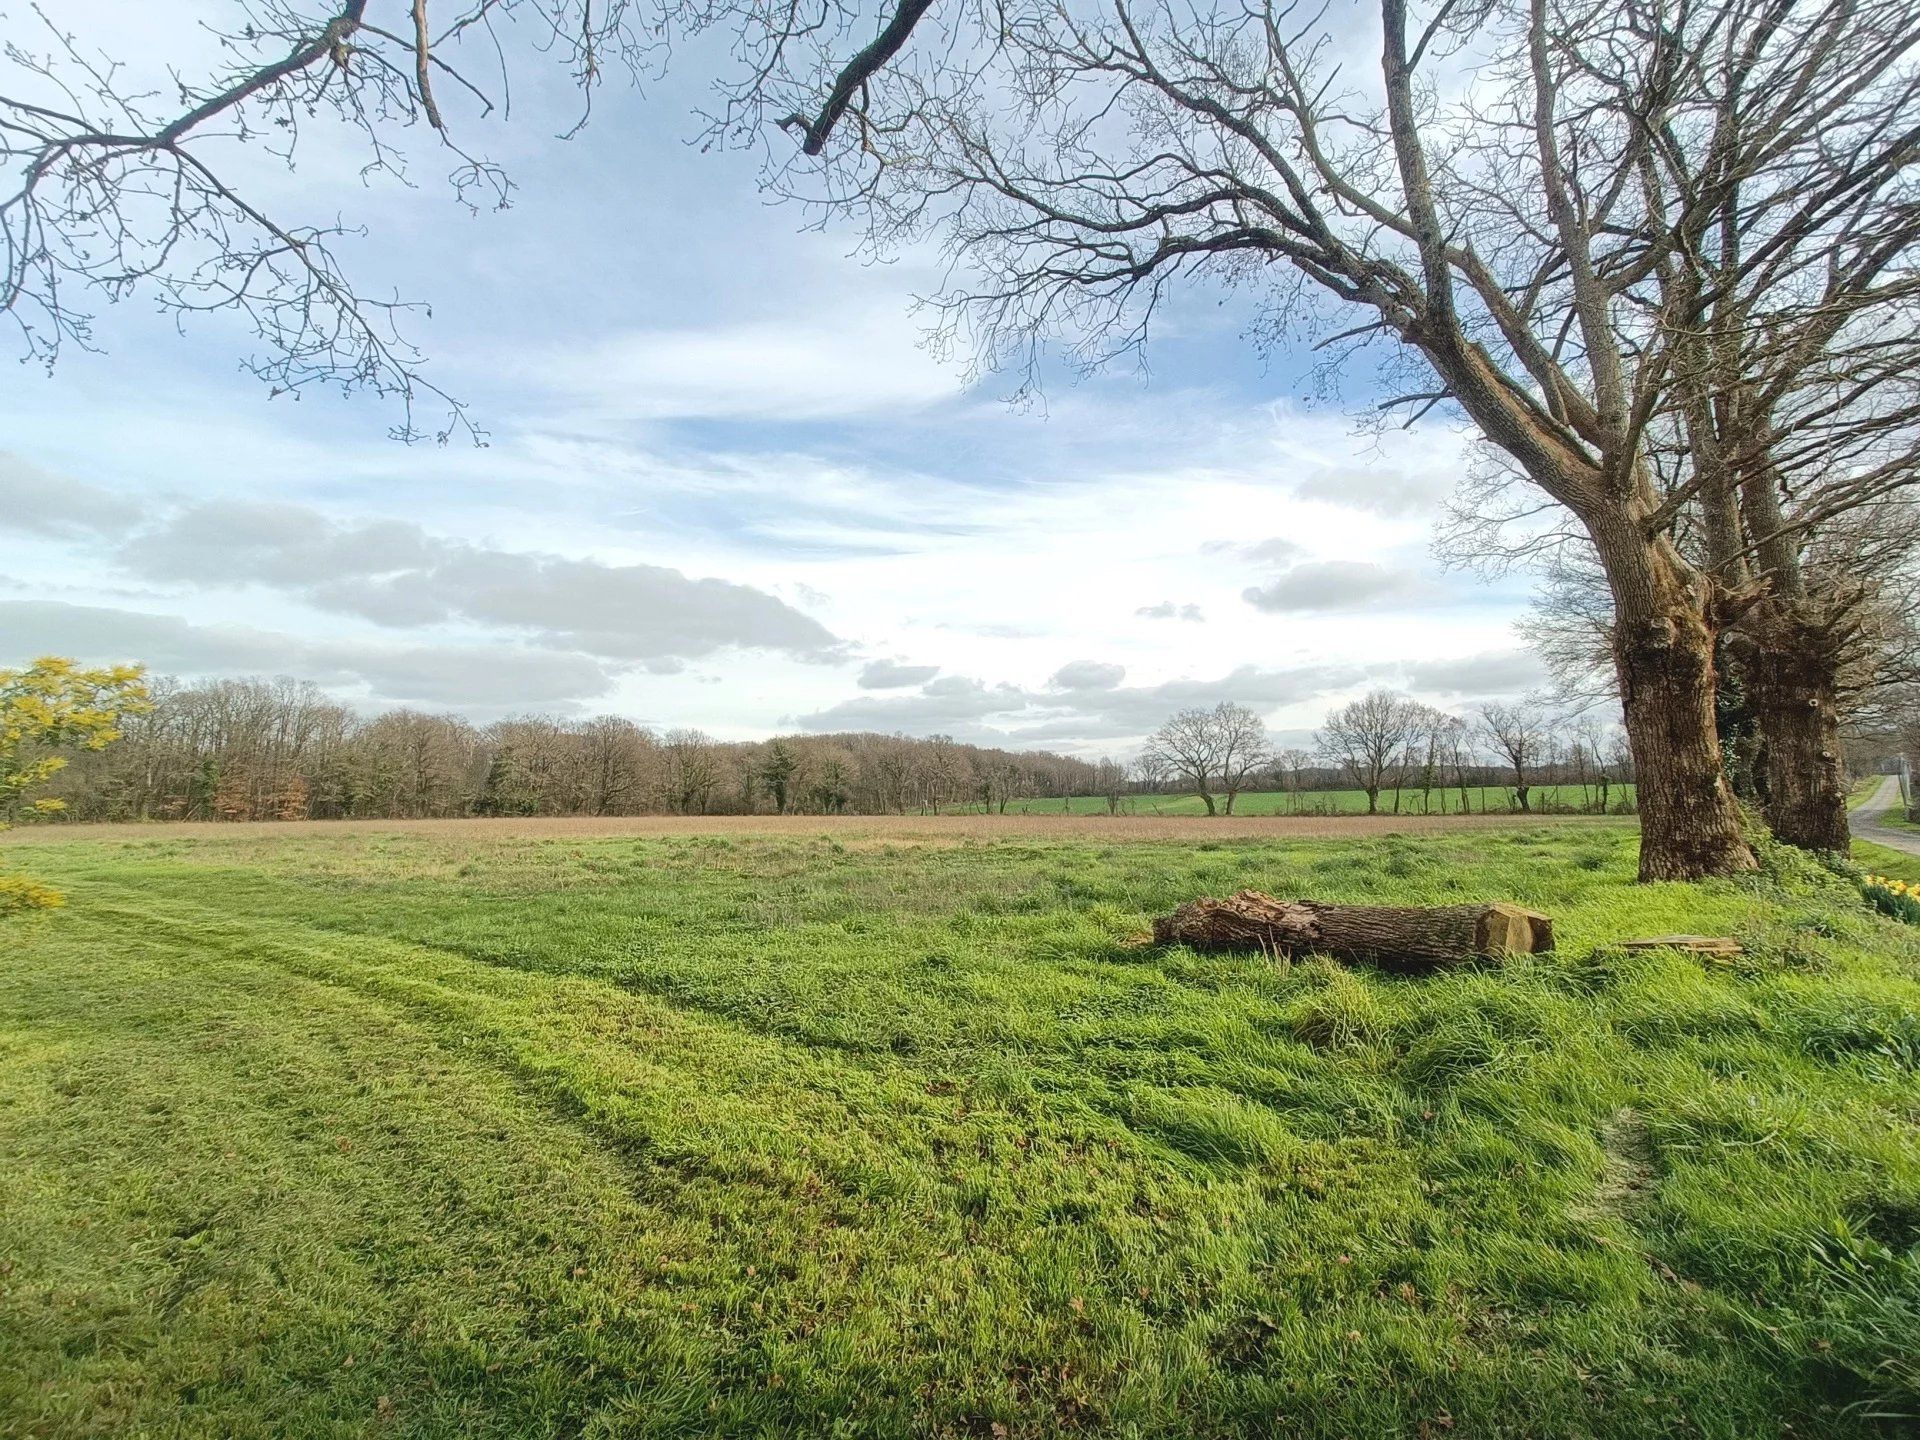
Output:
x,y
999,778
1566,251
1517,735
1289,768
692,771
1456,752
1366,737
1242,746
616,759
1858,585
1426,755
1188,748
124,181
1110,783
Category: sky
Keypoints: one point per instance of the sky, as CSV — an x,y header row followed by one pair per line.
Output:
x,y
724,483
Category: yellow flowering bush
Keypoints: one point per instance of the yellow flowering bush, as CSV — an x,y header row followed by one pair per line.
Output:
x,y
54,704
19,895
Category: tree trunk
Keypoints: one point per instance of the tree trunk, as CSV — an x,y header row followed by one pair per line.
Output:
x,y
1689,823
1373,800
1786,661
1212,809
1663,655
1408,936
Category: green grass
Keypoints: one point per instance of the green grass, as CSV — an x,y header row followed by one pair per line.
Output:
x,y
409,1136
1884,860
1489,799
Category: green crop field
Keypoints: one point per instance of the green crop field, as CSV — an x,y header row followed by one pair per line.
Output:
x,y
1481,799
472,1132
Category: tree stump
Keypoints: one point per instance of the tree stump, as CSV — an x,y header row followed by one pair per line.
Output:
x,y
1401,936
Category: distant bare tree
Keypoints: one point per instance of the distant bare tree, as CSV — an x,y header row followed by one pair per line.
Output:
x,y
941,770
1243,751
829,775
1366,737
1426,755
1110,783
1456,751
1188,747
692,770
999,777
616,757
1289,768
1517,734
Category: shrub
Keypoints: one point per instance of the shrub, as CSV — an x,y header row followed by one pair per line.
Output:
x,y
19,896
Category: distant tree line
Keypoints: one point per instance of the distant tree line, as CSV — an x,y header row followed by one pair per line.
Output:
x,y
1405,756
255,749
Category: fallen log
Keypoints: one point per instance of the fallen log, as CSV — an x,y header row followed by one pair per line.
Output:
x,y
1403,936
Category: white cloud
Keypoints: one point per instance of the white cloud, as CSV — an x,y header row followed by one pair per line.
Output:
x,y
34,501
805,368
472,677
892,675
1277,550
1087,675
1167,610
1497,672
397,574
1329,586
1388,488
1097,708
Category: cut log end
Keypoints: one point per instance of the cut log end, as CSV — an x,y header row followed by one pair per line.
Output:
x,y
1410,937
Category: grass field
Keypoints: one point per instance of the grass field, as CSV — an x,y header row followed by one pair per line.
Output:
x,y
1481,799
478,1131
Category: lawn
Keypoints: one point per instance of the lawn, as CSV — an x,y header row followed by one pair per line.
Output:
x,y
1481,799
397,1134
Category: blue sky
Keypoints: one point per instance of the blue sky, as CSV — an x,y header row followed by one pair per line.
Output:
x,y
725,485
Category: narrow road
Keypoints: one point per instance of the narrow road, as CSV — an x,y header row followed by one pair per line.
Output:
x,y
1866,822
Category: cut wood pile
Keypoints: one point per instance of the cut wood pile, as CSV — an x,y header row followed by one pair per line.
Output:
x,y
1401,936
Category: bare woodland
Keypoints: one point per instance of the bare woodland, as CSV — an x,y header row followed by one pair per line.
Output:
x,y
282,750
1658,255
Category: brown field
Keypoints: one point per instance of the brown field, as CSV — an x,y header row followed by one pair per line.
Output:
x,y
904,828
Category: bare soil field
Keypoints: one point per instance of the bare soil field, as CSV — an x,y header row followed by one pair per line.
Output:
x,y
903,828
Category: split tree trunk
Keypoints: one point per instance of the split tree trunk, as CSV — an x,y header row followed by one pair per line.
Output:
x,y
1418,937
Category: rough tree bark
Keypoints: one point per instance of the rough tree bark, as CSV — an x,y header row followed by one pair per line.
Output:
x,y
1787,660
1788,655
1415,937
1663,644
